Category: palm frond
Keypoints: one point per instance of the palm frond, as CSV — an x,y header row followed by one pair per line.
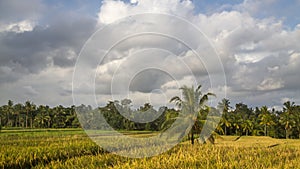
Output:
x,y
177,101
205,98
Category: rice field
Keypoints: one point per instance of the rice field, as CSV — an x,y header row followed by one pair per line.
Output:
x,y
72,148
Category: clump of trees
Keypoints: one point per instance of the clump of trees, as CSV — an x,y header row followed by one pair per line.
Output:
x,y
238,120
29,115
242,120
94,118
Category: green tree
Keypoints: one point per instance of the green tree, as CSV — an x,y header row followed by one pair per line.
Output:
x,y
297,120
9,111
224,122
29,108
236,121
18,109
265,119
42,118
191,105
247,126
286,118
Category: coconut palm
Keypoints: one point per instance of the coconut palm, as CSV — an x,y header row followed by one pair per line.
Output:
x,y
9,112
17,114
236,120
287,117
265,118
43,117
191,106
247,126
224,122
28,108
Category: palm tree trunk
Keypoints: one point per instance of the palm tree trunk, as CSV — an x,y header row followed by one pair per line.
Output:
x,y
225,131
192,136
265,130
31,122
26,120
8,120
286,134
19,120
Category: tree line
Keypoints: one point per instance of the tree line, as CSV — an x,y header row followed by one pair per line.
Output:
x,y
237,120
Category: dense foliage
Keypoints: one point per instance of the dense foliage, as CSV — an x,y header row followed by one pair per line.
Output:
x,y
243,120
238,120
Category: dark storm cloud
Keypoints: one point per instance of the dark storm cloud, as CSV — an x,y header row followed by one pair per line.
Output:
x,y
149,80
33,51
15,10
40,40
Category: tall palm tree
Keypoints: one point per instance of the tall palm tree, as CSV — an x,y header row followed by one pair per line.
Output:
x,y
28,108
247,126
191,104
236,121
286,118
43,117
9,112
17,114
297,120
265,118
225,106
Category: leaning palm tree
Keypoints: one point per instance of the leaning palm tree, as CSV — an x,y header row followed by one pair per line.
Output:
x,y
192,103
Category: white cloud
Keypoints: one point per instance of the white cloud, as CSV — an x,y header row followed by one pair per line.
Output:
x,y
270,84
249,47
261,56
18,27
111,11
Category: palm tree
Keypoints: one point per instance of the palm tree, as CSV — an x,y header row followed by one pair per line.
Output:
x,y
43,117
9,112
265,118
225,106
286,118
18,108
191,105
247,126
297,120
28,108
236,121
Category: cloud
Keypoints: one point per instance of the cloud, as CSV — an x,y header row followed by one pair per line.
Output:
x,y
29,90
255,63
270,84
55,45
19,16
14,10
259,51
112,11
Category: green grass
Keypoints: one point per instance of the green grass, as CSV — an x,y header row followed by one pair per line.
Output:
x,y
72,148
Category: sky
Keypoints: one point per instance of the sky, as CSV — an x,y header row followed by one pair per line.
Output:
x,y
47,49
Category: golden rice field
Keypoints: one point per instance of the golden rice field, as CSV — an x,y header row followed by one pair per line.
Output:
x,y
73,149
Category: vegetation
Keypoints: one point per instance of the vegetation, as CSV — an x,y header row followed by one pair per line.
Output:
x,y
238,120
51,137
71,148
192,108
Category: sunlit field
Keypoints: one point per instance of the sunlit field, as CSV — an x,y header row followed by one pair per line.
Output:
x,y
72,148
